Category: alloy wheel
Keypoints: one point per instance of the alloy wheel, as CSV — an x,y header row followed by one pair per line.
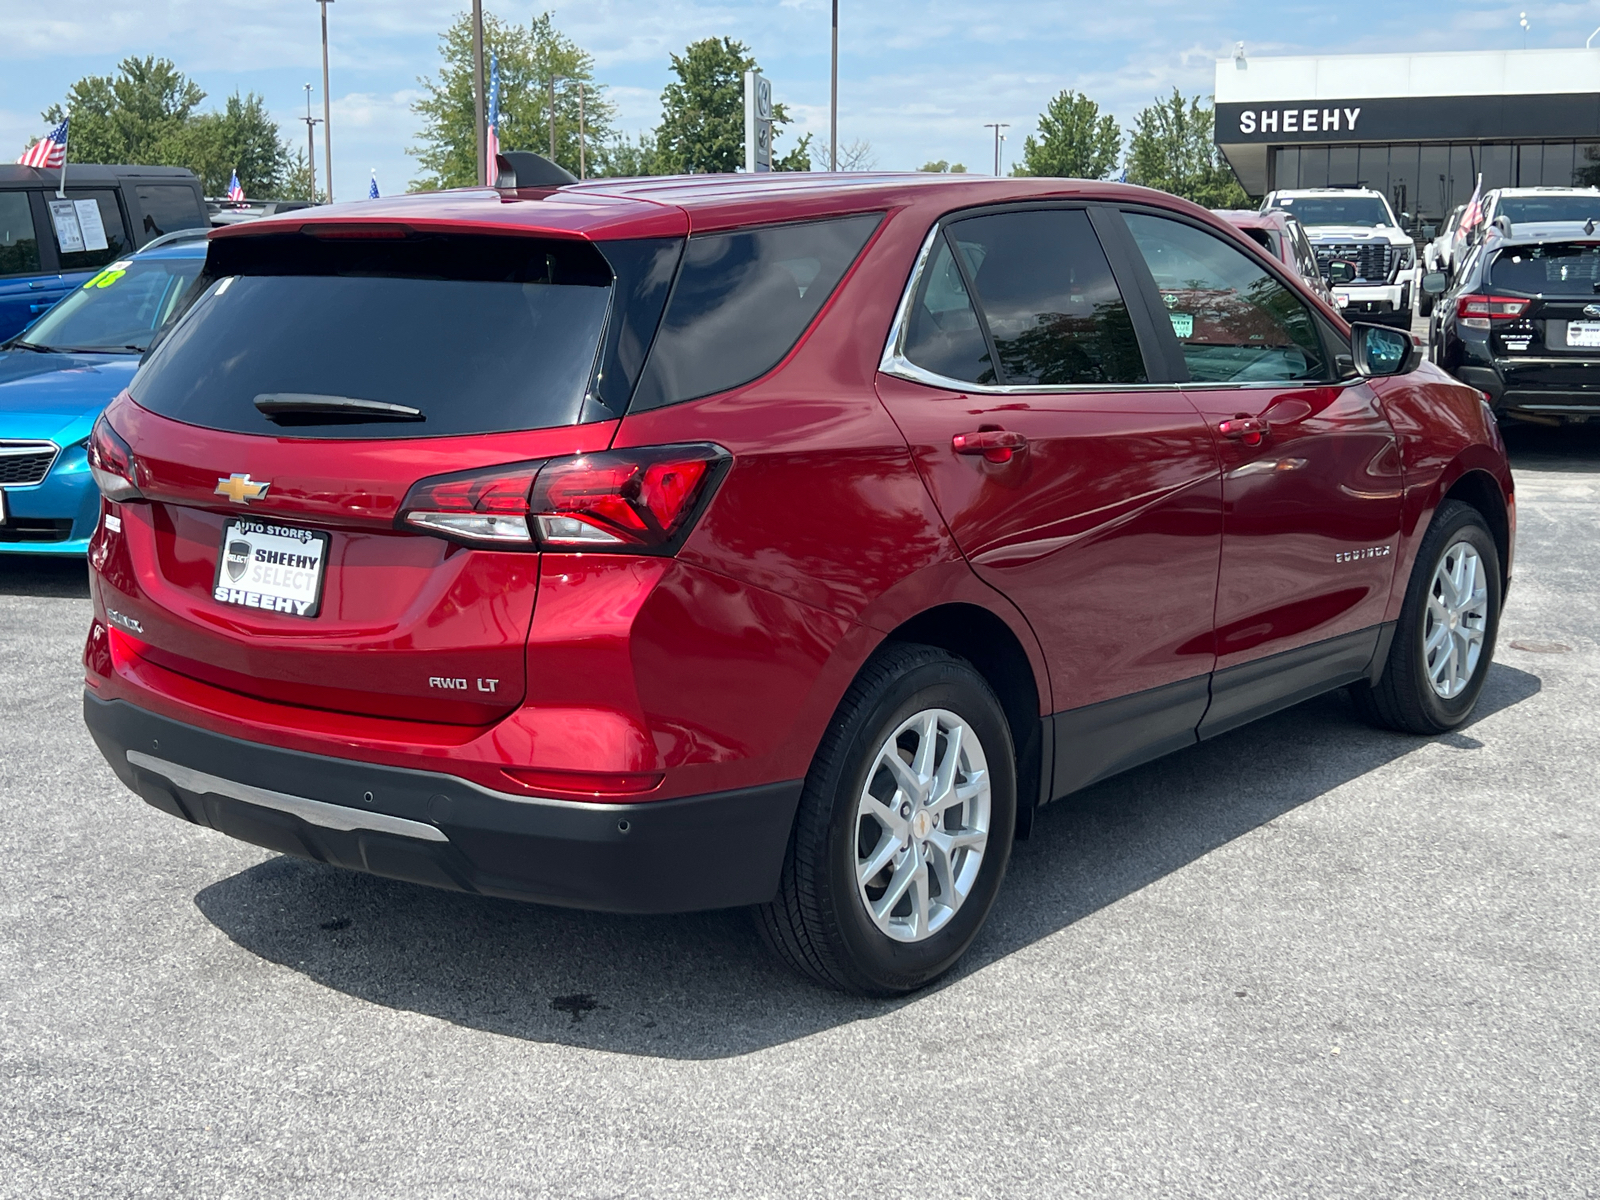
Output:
x,y
922,825
1456,621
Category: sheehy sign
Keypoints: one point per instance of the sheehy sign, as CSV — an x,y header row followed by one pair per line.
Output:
x,y
1409,119
1315,119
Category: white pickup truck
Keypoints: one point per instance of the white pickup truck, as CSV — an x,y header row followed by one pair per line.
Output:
x,y
1357,227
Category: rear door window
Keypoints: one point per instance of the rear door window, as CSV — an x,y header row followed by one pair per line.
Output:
x,y
88,228
19,243
741,301
474,334
166,207
1234,321
1048,298
943,335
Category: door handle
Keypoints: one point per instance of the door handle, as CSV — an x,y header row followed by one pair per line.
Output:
x,y
1252,431
996,445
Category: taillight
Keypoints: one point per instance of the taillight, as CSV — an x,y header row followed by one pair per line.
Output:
x,y
1476,311
634,501
624,499
485,507
111,463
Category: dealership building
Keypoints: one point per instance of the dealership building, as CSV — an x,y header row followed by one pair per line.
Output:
x,y
1417,127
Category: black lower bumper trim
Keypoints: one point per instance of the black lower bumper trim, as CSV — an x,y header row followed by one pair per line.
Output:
x,y
700,852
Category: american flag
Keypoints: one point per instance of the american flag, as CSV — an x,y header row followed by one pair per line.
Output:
x,y
372,188
493,140
50,150
1474,209
235,188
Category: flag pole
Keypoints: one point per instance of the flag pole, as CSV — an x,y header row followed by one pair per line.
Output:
x,y
61,184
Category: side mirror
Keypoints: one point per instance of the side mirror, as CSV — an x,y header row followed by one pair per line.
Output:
x,y
1382,350
1435,283
1340,272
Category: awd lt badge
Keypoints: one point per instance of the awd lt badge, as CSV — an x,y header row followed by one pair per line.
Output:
x,y
241,489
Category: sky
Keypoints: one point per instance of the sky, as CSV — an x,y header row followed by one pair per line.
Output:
x,y
918,81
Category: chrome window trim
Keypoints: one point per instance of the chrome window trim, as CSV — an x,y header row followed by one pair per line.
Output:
x,y
895,363
20,448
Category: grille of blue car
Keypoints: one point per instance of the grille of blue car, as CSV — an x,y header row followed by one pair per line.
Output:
x,y
25,463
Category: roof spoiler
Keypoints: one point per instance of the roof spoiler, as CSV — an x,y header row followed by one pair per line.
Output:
x,y
521,169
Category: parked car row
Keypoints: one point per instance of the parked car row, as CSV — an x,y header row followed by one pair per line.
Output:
x,y
776,541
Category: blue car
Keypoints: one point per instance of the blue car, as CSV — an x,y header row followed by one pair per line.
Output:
x,y
56,376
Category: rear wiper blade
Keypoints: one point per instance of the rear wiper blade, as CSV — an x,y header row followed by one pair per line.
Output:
x,y
304,407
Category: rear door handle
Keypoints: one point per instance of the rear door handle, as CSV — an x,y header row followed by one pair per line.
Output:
x,y
1249,430
996,445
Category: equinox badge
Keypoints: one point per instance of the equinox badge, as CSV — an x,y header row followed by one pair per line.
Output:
x,y
241,489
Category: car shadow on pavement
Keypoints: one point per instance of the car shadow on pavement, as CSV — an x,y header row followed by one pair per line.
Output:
x,y
36,575
703,986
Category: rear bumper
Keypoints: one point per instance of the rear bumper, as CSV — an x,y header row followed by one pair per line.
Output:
x,y
700,852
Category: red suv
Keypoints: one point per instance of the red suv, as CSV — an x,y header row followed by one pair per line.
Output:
x,y
781,541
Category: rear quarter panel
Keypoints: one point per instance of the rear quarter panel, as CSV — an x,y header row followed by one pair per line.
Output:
x,y
1445,431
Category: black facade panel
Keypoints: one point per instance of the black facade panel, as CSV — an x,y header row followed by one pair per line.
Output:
x,y
1411,119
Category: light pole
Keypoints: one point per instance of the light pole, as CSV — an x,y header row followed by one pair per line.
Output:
x,y
311,144
583,163
997,126
1523,17
833,97
480,132
554,79
327,104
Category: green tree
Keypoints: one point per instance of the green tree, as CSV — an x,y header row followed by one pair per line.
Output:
x,y
627,158
528,57
939,166
145,114
243,138
1172,149
1076,140
129,117
297,181
702,122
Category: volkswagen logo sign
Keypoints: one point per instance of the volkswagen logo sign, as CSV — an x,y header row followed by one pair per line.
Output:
x,y
238,558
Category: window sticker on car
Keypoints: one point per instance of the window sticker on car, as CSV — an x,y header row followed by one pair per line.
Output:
x,y
1182,324
108,276
90,225
69,236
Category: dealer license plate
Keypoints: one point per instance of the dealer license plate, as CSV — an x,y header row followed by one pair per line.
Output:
x,y
271,567
1583,333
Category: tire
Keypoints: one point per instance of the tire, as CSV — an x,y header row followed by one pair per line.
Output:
x,y
1424,305
1406,696
820,923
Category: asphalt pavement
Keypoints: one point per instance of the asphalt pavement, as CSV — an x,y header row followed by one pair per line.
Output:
x,y
1306,959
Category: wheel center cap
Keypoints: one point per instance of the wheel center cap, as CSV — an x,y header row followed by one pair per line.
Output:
x,y
922,824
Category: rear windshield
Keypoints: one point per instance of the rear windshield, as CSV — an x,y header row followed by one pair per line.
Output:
x,y
1523,209
119,309
1365,211
1555,269
464,334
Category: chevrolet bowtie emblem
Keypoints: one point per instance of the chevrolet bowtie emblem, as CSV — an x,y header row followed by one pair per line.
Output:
x,y
241,489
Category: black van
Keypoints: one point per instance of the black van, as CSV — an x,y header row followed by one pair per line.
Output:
x,y
50,244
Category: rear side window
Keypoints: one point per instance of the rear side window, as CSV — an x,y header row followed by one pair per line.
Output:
x,y
741,301
476,334
1234,322
943,334
1554,269
1047,294
19,244
166,207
